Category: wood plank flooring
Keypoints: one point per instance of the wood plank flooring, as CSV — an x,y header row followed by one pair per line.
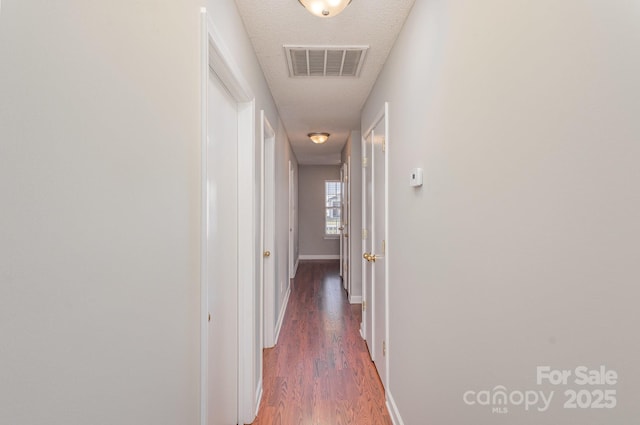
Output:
x,y
320,372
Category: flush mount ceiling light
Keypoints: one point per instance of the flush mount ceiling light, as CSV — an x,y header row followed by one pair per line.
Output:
x,y
318,138
325,8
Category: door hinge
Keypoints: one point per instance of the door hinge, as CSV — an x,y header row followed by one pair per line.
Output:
x,y
384,247
364,305
384,348
364,234
365,162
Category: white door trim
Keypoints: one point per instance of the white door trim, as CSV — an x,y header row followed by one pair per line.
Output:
x,y
376,120
204,227
216,56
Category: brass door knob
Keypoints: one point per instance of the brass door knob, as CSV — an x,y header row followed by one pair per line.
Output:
x,y
367,256
267,253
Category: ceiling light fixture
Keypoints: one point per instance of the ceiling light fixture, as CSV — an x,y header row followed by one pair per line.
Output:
x,y
318,138
325,8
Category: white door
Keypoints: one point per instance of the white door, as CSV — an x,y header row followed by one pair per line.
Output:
x,y
347,225
375,195
292,215
222,257
341,227
268,232
368,304
379,248
344,227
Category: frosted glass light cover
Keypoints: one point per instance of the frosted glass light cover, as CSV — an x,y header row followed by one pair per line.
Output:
x,y
325,8
319,138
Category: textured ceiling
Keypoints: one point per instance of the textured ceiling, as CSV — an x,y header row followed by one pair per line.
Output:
x,y
324,104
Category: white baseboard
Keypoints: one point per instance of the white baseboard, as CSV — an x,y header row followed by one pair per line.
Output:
x,y
355,299
319,257
283,310
393,410
258,398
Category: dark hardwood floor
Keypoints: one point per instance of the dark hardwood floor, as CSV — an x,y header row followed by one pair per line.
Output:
x,y
320,372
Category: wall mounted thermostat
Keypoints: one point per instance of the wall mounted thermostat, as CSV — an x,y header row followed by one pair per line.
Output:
x,y
416,177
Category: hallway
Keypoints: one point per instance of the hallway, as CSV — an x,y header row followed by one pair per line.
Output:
x,y
320,371
160,177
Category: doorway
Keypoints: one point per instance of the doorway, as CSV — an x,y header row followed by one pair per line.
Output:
x,y
230,351
375,256
345,215
292,222
267,207
368,304
222,276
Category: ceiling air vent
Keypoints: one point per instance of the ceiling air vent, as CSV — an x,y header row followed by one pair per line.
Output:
x,y
325,61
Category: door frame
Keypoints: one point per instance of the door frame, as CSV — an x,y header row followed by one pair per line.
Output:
x,y
216,56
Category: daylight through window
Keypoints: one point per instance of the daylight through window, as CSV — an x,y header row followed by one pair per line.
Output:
x,y
333,198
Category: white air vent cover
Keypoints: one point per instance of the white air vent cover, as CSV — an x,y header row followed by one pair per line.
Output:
x,y
325,61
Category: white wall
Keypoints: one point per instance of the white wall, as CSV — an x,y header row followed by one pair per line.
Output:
x,y
99,215
521,249
353,151
100,189
311,192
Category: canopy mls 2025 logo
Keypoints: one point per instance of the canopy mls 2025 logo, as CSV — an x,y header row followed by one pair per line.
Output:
x,y
584,388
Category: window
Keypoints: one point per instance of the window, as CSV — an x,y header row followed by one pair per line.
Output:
x,y
333,207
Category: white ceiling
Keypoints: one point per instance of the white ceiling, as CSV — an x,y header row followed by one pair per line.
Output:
x,y
321,104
